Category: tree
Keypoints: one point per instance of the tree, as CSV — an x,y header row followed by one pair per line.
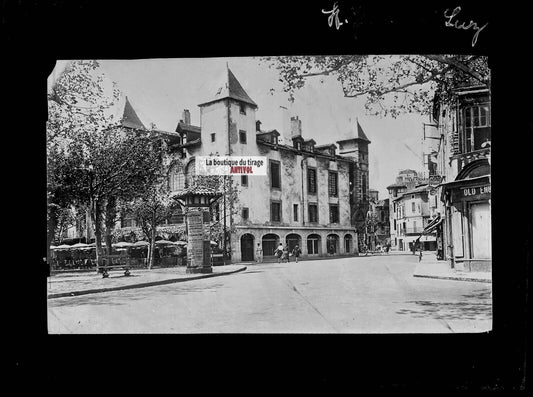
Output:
x,y
151,210
92,160
391,85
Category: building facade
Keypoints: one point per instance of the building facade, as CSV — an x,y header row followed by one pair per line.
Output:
x,y
464,160
311,195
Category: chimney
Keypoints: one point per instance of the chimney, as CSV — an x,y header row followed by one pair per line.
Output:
x,y
296,126
186,116
258,126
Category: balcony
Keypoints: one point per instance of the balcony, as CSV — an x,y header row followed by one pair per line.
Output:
x,y
468,157
411,230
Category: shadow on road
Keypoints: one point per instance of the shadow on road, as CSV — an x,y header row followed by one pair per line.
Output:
x,y
449,310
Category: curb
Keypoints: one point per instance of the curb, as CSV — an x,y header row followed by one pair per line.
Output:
x,y
142,285
454,278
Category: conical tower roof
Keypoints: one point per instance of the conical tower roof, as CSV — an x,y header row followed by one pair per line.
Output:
x,y
130,119
229,87
359,133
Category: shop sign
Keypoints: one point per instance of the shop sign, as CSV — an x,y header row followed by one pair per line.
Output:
x,y
475,192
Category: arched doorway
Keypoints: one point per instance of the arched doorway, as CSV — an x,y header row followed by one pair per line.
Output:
x,y
247,247
270,242
292,239
348,246
333,244
313,244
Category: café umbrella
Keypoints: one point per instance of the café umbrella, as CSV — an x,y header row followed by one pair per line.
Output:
x,y
122,244
63,246
164,242
79,246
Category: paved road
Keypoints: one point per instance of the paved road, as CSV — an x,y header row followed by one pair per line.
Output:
x,y
350,295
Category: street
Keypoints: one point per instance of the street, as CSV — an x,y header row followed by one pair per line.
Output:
x,y
375,294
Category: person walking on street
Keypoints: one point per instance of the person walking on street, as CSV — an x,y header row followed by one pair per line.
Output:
x,y
420,254
285,256
279,252
259,253
296,252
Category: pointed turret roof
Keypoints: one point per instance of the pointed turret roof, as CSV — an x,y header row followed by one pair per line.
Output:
x,y
360,134
129,117
230,87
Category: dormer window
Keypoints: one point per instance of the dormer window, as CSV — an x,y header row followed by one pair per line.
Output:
x,y
299,145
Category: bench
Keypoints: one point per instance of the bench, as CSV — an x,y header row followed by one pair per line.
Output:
x,y
111,264
217,259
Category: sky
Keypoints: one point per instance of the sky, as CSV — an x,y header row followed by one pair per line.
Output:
x,y
159,90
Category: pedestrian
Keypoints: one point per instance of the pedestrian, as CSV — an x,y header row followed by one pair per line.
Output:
x,y
420,255
259,253
285,256
296,252
279,252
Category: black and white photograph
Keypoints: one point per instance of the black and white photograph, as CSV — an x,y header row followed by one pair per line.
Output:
x,y
259,193
357,198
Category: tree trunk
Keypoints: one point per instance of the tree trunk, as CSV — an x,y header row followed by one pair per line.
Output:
x,y
152,247
110,216
52,226
96,216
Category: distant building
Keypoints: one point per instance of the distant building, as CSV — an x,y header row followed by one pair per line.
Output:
x,y
378,221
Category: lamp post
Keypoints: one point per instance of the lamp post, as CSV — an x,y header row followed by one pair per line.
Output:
x,y
196,202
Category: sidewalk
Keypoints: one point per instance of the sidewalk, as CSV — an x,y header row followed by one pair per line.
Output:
x,y
430,267
82,283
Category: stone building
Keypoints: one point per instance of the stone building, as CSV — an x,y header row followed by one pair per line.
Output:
x,y
463,160
412,208
313,195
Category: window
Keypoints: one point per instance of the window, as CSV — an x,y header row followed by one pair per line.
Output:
x,y
394,224
189,173
413,209
333,184
176,178
275,177
128,221
363,186
476,131
242,136
244,180
176,217
245,213
242,108
215,212
213,137
313,213
333,213
311,180
295,212
275,211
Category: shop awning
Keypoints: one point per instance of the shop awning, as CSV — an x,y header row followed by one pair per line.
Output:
x,y
432,226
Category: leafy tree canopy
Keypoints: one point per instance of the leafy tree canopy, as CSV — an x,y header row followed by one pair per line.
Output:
x,y
391,85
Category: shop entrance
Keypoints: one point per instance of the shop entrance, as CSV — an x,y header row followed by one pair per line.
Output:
x,y
480,226
247,247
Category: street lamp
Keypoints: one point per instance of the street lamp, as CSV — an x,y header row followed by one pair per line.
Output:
x,y
196,202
